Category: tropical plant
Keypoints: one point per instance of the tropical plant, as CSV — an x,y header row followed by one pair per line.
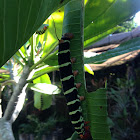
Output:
x,y
38,128
125,111
99,19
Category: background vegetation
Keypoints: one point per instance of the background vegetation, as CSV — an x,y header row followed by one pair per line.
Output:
x,y
34,56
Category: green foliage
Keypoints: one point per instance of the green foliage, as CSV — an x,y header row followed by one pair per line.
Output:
x,y
88,69
75,26
96,107
20,19
33,51
42,101
42,87
129,46
106,14
38,128
124,108
43,92
52,59
97,114
3,75
96,38
41,71
127,26
19,24
43,79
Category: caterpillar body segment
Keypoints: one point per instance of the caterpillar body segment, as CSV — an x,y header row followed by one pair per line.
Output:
x,y
69,87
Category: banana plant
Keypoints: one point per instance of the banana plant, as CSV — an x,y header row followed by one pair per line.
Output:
x,y
20,19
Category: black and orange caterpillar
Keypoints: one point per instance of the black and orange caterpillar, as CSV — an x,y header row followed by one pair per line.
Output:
x,y
70,89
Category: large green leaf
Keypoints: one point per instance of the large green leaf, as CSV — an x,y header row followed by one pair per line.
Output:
x,y
55,29
131,45
42,101
41,71
44,88
19,19
95,8
52,59
43,93
99,37
97,114
106,14
73,23
43,79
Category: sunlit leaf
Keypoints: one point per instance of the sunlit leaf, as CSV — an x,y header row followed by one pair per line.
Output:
x,y
131,45
44,88
43,79
106,14
41,71
55,29
99,37
95,8
88,69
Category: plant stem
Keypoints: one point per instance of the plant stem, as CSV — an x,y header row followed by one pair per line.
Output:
x,y
40,74
43,58
17,59
33,44
22,56
17,90
6,130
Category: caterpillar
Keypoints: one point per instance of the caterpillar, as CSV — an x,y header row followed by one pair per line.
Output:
x,y
42,31
41,102
69,88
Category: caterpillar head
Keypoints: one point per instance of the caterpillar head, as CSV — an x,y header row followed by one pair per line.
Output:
x,y
45,27
67,36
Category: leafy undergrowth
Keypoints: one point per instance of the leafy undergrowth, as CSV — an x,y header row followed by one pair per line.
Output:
x,y
124,110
